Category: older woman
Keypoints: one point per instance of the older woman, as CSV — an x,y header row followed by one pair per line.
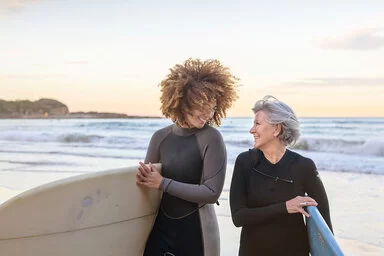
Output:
x,y
271,184
195,95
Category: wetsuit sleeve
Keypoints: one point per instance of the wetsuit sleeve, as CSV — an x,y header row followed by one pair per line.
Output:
x,y
153,153
242,215
214,167
315,189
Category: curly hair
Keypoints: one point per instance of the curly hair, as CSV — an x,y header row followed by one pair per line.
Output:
x,y
195,83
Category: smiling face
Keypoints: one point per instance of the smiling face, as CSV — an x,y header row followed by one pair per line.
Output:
x,y
264,133
197,118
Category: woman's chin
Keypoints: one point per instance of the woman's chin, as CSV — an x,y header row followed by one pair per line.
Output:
x,y
200,125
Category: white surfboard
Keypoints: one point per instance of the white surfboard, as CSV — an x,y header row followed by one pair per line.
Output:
x,y
97,214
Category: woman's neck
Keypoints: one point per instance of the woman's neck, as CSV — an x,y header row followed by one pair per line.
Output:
x,y
182,124
274,153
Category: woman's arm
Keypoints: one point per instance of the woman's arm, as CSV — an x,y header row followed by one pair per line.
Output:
x,y
315,189
153,153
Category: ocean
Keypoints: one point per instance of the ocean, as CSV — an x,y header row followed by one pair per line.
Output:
x,y
36,151
87,145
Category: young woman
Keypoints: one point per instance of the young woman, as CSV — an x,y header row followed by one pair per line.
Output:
x,y
195,95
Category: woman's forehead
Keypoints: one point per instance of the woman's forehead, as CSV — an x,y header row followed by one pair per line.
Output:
x,y
209,106
261,115
204,107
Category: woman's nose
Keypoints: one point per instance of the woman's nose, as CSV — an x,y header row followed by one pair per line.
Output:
x,y
207,115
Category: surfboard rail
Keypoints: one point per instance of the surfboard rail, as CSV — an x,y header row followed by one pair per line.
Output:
x,y
321,240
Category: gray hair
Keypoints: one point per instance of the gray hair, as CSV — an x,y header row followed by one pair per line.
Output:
x,y
280,113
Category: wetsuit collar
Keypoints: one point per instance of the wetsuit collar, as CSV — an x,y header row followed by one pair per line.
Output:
x,y
186,131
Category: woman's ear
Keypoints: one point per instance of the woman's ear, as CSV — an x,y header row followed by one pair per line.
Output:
x,y
277,131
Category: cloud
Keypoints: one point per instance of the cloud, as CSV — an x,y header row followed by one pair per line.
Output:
x,y
376,81
131,77
15,5
362,39
30,76
77,62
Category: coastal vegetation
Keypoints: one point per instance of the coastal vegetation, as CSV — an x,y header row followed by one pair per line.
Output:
x,y
50,108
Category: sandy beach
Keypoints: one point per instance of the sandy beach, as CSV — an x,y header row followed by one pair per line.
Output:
x,y
356,211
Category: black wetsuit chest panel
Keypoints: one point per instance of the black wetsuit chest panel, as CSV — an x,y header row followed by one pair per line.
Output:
x,y
263,190
181,161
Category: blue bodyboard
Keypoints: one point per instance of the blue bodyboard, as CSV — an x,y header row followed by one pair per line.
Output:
x,y
321,240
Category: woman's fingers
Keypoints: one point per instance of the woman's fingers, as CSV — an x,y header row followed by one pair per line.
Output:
x,y
144,170
298,203
302,211
148,176
153,168
152,181
306,201
140,176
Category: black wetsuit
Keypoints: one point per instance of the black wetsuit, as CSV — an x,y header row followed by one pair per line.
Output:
x,y
193,166
257,200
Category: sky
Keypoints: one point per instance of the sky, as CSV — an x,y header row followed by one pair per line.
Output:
x,y
324,58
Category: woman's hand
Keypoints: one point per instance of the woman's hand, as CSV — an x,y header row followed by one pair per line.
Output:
x,y
148,176
296,204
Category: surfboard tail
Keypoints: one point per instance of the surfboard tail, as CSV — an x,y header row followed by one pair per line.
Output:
x,y
321,240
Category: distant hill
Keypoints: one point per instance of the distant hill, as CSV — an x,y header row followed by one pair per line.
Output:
x,y
49,108
93,114
32,109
